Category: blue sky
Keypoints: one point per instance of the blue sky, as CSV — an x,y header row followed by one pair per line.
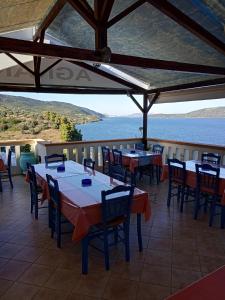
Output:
x,y
121,104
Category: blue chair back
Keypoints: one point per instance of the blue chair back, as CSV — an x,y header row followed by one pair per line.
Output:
x,y
32,180
211,158
116,203
177,171
140,146
105,154
89,163
117,172
157,149
117,157
207,178
54,158
53,188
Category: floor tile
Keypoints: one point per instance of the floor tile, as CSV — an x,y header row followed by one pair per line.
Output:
x,y
120,289
152,292
156,275
13,269
62,279
36,274
20,291
181,277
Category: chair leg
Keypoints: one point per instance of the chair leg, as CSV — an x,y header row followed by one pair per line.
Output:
x,y
169,195
212,213
36,208
106,250
85,255
197,202
139,232
58,230
182,199
222,216
127,241
10,178
178,193
116,235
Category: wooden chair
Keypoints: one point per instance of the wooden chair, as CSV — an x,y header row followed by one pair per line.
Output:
x,y
56,219
35,191
207,188
89,163
211,158
105,160
55,158
116,205
7,174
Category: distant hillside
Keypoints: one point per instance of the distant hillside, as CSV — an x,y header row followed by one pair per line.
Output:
x,y
33,105
214,112
22,118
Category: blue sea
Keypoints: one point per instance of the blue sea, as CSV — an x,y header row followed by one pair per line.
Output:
x,y
208,131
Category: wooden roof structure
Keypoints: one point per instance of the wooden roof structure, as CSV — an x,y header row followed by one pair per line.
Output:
x,y
164,49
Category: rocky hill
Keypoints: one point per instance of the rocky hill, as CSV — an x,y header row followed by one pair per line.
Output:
x,y
213,112
22,118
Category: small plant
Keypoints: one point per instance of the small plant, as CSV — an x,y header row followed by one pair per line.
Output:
x,y
25,148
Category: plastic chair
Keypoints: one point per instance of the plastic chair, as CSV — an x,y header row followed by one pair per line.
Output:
x,y
7,173
116,205
54,158
105,160
117,172
207,187
177,181
211,158
35,191
89,163
56,219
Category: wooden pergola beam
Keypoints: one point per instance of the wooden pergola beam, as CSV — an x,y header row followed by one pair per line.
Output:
x,y
49,18
153,100
107,75
64,90
106,10
84,12
183,20
20,63
68,53
184,86
136,102
148,63
125,12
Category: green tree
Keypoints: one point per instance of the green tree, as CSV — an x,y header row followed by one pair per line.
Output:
x,y
69,132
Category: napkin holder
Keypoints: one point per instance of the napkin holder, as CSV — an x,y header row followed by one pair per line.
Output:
x,y
86,182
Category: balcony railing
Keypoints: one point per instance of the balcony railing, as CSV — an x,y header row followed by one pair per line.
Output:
x,y
79,150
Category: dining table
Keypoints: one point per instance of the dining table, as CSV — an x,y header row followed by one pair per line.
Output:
x,y
81,205
134,158
191,176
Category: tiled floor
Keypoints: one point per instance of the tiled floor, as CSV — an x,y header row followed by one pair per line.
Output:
x,y
177,251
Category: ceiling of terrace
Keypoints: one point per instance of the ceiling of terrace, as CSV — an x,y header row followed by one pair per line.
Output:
x,y
133,46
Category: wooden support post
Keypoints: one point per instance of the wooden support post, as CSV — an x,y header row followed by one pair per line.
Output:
x,y
145,120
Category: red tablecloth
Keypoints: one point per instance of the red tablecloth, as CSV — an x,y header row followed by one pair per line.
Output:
x,y
133,162
2,166
211,287
82,205
191,180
